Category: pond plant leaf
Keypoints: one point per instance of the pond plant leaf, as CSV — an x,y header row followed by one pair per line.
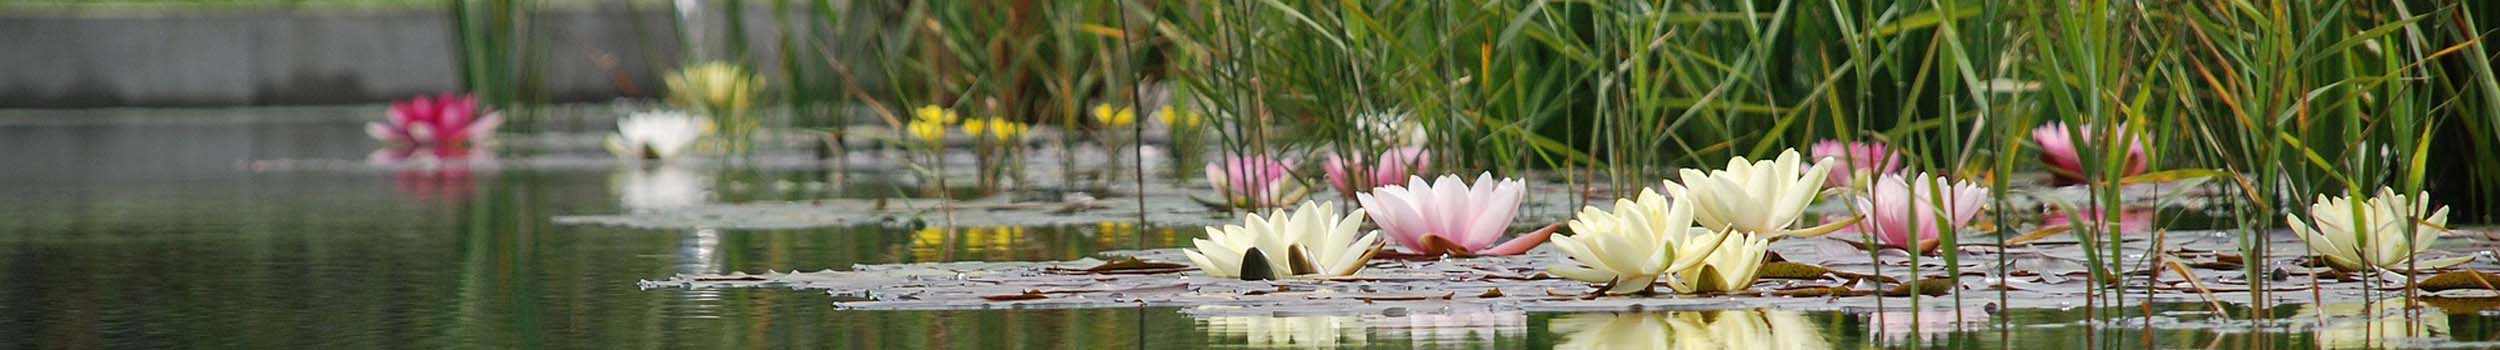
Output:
x,y
1927,287
2463,279
1132,265
1791,270
1028,294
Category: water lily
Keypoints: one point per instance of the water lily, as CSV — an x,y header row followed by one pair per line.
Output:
x,y
656,134
1309,241
714,87
1254,181
1629,247
1394,165
939,114
928,132
1867,159
1450,217
1733,266
995,128
2376,238
2059,151
447,121
1114,117
1903,212
1764,197
1178,119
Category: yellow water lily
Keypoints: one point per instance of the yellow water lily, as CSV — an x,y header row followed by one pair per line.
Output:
x,y
1114,117
1178,119
935,113
1313,240
1734,266
1630,247
714,86
995,128
1764,197
926,131
2376,238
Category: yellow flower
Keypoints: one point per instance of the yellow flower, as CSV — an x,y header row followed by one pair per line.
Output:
x,y
1001,129
714,86
1123,116
926,131
941,115
1178,119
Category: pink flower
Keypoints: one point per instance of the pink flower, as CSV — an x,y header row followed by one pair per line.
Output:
x,y
2060,152
1396,164
1253,181
2130,220
1450,217
447,121
1870,158
1903,211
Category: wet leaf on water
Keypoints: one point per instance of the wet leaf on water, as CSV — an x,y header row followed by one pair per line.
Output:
x,y
1790,270
729,278
1129,265
2036,235
1026,295
2463,279
1928,287
1816,291
1444,296
1490,293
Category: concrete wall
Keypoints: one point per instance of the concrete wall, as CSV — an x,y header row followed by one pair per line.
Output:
x,y
296,57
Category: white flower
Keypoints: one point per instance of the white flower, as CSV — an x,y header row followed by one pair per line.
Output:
x,y
1732,267
2381,241
1630,247
1309,241
1763,197
656,134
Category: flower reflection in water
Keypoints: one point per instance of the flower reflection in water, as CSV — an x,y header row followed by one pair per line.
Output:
x,y
1715,330
1456,328
936,244
1896,327
2381,324
1287,332
435,175
660,187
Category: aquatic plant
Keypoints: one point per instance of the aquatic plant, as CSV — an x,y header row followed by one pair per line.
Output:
x,y
1350,175
1450,217
1630,247
1764,197
445,122
1111,117
1254,182
939,114
1733,266
1860,161
723,91
2374,233
2129,219
1393,129
1113,132
1188,137
658,134
997,144
1310,241
2058,148
1911,213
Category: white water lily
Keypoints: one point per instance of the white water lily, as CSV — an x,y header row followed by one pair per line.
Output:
x,y
1764,197
1629,247
1734,266
656,134
1309,241
2376,239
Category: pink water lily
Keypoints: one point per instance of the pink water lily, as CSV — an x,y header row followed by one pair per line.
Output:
x,y
1450,217
1254,181
1857,158
1902,212
1395,164
446,121
2067,166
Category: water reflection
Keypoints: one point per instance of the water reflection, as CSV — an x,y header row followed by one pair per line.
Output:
x,y
2381,324
434,175
1730,329
1287,332
660,187
1457,328
1897,327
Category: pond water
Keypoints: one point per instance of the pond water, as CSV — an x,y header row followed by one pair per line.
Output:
x,y
165,228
